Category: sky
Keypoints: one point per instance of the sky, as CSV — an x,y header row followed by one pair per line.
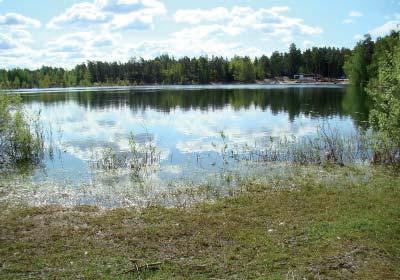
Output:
x,y
64,33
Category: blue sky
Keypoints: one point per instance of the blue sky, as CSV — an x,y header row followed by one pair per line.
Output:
x,y
64,33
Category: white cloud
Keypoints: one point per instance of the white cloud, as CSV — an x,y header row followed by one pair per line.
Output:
x,y
180,46
218,31
136,21
6,42
18,20
352,16
65,51
15,40
86,39
15,54
120,6
385,28
205,35
358,37
110,14
74,48
308,43
21,35
355,14
129,6
203,31
198,15
348,21
81,14
241,19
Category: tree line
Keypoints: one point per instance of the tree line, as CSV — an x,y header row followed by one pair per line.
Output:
x,y
374,67
364,63
324,61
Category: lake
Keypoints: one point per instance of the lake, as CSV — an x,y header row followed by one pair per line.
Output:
x,y
188,125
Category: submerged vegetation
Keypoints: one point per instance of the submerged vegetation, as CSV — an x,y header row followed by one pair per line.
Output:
x,y
307,223
140,160
328,147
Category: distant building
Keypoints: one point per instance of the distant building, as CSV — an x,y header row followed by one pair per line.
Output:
x,y
305,77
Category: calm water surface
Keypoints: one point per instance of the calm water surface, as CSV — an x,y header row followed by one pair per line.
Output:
x,y
184,122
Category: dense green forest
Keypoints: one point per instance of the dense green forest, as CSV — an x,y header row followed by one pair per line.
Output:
x,y
367,56
326,61
375,67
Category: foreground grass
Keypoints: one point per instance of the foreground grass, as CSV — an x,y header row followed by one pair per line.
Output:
x,y
315,224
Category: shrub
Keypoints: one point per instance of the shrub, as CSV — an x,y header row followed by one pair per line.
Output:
x,y
385,115
21,138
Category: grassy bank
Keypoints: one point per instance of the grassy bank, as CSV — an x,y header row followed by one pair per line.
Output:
x,y
318,223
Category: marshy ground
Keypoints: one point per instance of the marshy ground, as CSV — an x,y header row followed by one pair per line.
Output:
x,y
318,223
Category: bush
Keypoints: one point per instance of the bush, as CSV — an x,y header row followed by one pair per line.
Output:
x,y
21,138
384,91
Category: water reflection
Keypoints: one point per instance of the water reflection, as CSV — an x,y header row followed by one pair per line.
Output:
x,y
357,104
184,123
309,101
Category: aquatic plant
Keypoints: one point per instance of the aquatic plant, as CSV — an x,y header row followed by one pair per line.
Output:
x,y
140,160
329,146
21,135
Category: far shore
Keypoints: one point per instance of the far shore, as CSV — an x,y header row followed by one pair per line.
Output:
x,y
287,81
275,81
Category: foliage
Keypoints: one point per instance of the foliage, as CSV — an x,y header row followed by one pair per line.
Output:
x,y
242,69
363,63
384,91
21,139
327,62
375,67
356,66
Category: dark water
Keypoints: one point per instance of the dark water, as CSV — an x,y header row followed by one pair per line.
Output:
x,y
185,123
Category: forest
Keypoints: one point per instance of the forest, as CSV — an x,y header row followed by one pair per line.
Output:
x,y
323,61
366,59
374,67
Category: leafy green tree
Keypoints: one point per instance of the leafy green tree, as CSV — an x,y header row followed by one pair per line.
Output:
x,y
243,69
276,64
294,62
384,91
356,66
16,83
45,81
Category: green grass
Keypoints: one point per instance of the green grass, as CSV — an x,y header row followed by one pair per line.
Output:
x,y
335,223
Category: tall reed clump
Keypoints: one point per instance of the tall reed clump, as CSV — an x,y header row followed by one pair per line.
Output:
x,y
140,160
328,146
21,136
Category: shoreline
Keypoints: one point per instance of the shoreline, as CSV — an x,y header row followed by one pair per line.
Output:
x,y
291,83
302,227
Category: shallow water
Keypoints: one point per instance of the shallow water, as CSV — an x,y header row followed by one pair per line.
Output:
x,y
183,122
